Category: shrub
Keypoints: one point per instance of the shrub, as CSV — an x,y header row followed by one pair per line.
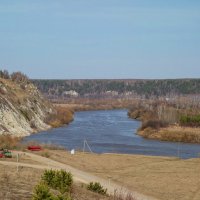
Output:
x,y
60,197
19,77
9,142
60,117
45,154
154,124
63,181
4,74
49,177
60,180
42,192
97,187
186,120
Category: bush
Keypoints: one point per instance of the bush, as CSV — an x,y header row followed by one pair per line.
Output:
x,y
96,187
19,77
9,142
63,181
60,117
45,154
42,192
4,74
186,120
59,180
154,124
48,177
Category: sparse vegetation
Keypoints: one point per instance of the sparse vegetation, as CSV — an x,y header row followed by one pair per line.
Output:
x,y
120,195
9,142
22,184
161,177
97,187
60,117
22,107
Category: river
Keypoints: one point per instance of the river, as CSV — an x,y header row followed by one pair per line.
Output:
x,y
111,131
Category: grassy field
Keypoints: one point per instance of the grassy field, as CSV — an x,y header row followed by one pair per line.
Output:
x,y
161,177
20,185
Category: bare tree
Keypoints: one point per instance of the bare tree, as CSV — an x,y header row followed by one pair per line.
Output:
x,y
19,77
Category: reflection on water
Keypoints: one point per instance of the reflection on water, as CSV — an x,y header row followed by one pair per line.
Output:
x,y
113,132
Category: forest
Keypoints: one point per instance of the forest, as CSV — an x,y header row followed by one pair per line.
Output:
x,y
120,88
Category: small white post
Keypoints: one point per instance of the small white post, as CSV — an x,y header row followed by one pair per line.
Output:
x,y
17,162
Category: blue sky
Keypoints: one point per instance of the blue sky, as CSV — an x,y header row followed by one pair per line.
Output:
x,y
101,38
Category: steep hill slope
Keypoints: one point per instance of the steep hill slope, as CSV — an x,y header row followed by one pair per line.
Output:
x,y
23,109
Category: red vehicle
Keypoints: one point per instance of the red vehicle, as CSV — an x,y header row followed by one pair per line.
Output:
x,y
1,155
34,148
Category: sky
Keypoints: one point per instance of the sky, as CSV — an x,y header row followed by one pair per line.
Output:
x,y
101,39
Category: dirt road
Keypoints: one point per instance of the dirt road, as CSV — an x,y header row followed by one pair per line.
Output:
x,y
81,176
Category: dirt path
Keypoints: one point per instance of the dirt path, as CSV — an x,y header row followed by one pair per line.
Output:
x,y
79,175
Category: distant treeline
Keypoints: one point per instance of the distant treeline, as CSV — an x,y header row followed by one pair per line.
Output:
x,y
145,88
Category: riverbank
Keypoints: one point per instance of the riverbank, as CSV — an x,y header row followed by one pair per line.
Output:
x,y
172,133
165,122
60,117
97,104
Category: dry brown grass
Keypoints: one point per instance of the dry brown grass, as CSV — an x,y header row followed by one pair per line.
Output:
x,y
161,177
9,142
16,93
121,195
173,133
60,117
19,185
97,104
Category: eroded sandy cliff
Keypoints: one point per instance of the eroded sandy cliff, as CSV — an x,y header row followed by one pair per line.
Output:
x,y
23,109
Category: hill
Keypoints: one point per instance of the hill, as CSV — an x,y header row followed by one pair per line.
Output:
x,y
23,110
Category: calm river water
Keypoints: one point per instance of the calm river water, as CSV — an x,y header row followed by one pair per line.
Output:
x,y
111,132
